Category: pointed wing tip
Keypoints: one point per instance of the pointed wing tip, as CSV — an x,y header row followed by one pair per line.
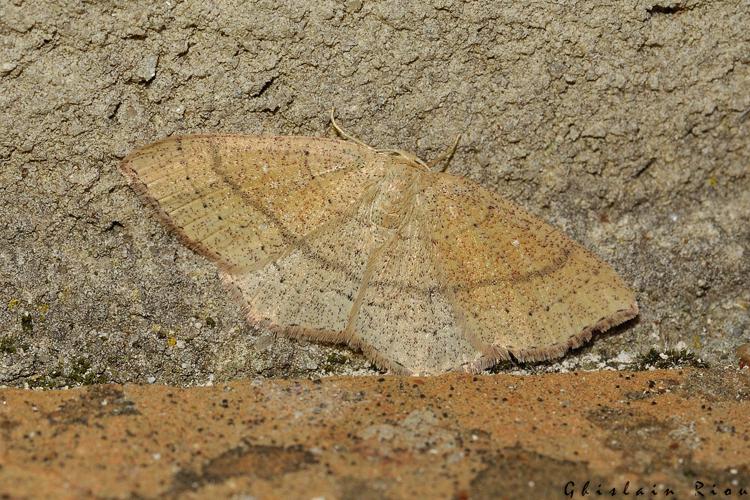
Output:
x,y
634,309
129,169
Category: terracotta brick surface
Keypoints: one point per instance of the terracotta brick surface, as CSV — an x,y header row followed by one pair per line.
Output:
x,y
496,436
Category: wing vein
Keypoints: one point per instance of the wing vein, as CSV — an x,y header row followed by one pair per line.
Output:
x,y
301,241
372,260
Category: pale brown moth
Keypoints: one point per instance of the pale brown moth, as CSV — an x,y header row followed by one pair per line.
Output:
x,y
333,240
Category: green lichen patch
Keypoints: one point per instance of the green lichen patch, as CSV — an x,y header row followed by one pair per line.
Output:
x,y
80,373
670,358
27,322
9,344
334,361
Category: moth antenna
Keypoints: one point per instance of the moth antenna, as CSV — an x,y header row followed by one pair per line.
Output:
x,y
407,156
343,133
446,156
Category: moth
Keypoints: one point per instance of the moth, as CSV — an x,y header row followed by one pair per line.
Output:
x,y
335,241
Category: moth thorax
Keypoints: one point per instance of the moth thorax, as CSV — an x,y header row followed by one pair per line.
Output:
x,y
392,200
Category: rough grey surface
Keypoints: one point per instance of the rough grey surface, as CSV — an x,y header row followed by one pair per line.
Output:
x,y
624,124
